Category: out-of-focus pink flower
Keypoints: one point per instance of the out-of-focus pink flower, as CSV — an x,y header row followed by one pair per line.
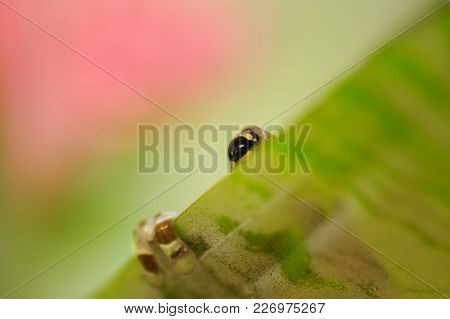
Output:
x,y
55,103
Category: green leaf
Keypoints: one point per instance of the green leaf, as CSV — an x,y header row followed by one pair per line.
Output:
x,y
371,220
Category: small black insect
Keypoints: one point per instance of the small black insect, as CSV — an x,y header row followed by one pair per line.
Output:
x,y
244,142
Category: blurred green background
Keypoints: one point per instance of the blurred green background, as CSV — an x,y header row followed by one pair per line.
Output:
x,y
68,131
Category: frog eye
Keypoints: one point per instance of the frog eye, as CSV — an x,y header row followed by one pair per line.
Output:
x,y
151,268
244,142
164,232
158,233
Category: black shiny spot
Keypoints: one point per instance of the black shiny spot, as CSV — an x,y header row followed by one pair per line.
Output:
x,y
240,145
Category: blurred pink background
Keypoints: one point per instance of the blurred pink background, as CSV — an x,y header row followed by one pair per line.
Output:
x,y
57,107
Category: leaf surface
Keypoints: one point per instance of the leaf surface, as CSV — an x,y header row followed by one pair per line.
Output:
x,y
371,220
